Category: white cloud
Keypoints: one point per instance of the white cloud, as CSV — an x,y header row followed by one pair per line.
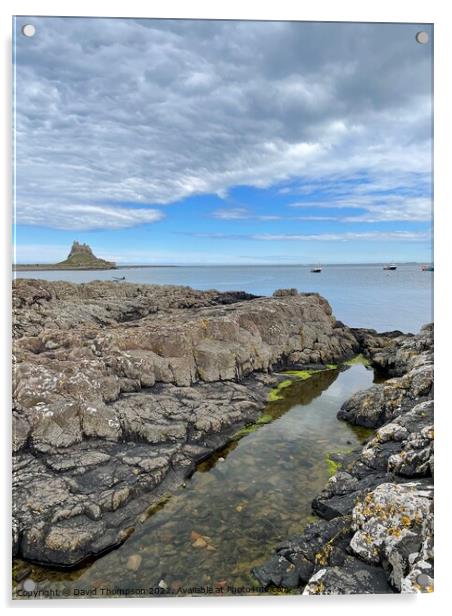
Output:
x,y
89,217
398,236
233,213
241,213
378,208
114,111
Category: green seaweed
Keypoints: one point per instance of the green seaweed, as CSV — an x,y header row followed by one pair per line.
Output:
x,y
306,374
275,393
250,428
284,384
358,360
332,465
362,433
245,430
264,419
301,374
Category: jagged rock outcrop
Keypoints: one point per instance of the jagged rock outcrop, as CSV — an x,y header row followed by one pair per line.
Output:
x,y
120,389
382,496
410,360
82,256
302,562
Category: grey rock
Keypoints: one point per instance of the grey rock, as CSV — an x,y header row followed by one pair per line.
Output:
x,y
284,292
352,577
413,383
280,572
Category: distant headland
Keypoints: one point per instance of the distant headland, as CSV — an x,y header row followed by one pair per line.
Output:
x,y
81,257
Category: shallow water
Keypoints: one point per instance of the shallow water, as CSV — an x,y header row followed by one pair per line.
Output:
x,y
360,295
241,502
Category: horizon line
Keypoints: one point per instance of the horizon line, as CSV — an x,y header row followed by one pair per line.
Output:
x,y
232,264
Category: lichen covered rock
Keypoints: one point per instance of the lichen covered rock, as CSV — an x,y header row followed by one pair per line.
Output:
x,y
392,524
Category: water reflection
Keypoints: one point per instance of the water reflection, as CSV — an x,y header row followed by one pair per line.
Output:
x,y
238,505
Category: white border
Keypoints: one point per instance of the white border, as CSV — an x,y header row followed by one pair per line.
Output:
x,y
431,11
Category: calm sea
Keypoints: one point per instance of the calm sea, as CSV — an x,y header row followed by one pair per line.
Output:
x,y
361,295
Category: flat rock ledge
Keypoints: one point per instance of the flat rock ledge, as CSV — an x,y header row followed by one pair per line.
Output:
x,y
120,389
376,531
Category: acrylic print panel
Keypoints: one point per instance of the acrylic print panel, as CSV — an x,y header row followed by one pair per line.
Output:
x,y
216,225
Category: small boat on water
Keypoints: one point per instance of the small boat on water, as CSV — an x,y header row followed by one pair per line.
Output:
x,y
427,268
316,270
118,278
391,267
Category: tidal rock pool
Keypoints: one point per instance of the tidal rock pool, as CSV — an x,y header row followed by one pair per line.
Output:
x,y
207,536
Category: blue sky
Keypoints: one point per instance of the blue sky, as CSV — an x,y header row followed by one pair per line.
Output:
x,y
222,142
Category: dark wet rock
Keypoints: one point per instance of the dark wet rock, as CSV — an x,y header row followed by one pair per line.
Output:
x,y
281,572
231,297
341,493
351,578
297,559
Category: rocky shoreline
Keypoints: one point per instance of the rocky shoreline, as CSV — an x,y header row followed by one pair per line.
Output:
x,y
119,390
376,535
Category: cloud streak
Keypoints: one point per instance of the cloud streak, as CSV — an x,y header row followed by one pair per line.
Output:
x,y
398,236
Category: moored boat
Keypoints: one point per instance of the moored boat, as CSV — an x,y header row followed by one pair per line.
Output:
x,y
391,267
316,269
427,268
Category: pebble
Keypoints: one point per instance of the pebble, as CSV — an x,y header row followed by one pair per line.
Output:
x,y
134,562
200,543
21,575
